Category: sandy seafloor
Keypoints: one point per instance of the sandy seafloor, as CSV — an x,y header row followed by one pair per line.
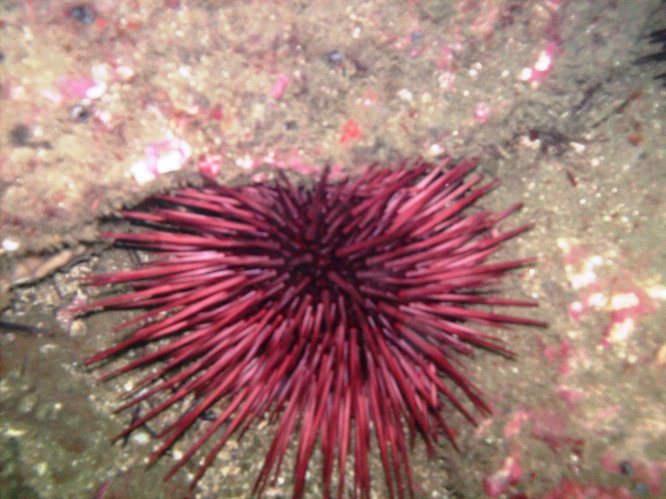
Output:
x,y
104,103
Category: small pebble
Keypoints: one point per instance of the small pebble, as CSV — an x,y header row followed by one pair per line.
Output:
x,y
405,94
83,13
27,404
626,468
642,489
79,113
335,57
20,135
42,468
141,437
10,244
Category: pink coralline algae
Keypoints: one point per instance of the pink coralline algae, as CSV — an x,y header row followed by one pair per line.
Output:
x,y
544,64
168,155
279,86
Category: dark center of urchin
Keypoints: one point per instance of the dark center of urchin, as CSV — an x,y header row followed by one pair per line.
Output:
x,y
336,310
317,262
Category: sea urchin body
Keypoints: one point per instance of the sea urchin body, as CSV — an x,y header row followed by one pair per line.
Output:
x,y
337,311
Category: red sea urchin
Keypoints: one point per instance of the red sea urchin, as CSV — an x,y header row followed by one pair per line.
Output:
x,y
336,310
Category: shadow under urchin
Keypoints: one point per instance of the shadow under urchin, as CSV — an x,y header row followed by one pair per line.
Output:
x,y
338,311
